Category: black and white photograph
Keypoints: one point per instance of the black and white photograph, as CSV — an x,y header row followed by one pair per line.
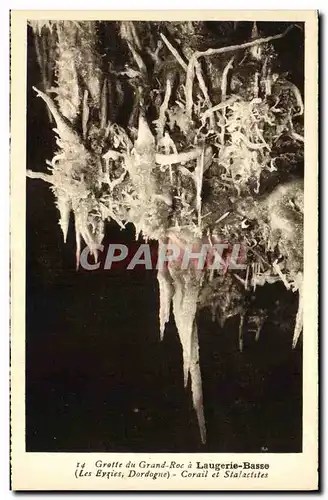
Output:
x,y
164,254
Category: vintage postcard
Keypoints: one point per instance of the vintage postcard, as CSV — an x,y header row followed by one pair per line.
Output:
x,y
164,250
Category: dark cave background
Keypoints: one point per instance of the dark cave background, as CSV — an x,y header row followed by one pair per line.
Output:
x,y
97,377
